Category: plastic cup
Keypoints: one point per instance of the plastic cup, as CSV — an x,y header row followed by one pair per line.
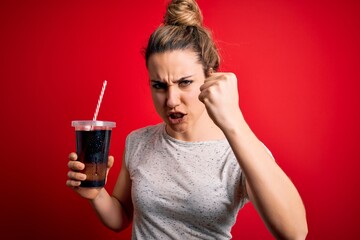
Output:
x,y
92,148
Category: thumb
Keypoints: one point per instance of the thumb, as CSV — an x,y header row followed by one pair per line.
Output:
x,y
110,161
110,164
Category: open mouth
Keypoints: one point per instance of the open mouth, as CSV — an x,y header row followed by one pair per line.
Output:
x,y
176,115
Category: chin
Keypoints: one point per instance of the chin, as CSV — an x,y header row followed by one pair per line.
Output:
x,y
177,128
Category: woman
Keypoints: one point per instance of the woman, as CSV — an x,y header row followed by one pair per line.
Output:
x,y
188,177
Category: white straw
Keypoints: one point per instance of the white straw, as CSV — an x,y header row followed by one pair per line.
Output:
x,y
99,101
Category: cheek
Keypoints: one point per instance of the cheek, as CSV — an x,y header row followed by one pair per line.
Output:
x,y
192,99
194,95
158,99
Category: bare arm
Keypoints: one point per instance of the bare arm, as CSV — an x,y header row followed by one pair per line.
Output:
x,y
270,190
115,211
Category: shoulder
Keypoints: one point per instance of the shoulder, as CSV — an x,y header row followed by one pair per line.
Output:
x,y
143,134
145,131
139,140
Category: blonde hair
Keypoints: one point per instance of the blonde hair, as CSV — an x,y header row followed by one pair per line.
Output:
x,y
182,29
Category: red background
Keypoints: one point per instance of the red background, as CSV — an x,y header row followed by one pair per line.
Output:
x,y
297,63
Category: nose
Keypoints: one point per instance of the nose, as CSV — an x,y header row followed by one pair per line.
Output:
x,y
173,97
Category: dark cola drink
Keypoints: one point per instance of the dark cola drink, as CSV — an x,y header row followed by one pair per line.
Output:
x,y
92,148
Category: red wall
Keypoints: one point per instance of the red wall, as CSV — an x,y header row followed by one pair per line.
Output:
x,y
298,68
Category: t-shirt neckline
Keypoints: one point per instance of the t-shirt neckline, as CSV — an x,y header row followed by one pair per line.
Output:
x,y
167,136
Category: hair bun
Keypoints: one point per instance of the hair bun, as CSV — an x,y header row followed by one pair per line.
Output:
x,y
183,13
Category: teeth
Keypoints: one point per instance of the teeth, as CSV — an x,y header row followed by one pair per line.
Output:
x,y
176,115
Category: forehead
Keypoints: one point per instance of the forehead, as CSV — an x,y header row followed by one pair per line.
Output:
x,y
174,63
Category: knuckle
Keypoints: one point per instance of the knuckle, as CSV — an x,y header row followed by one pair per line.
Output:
x,y
70,164
77,166
233,78
229,77
75,183
76,176
70,174
218,84
232,75
72,183
211,90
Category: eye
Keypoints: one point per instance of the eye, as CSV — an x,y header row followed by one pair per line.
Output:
x,y
159,85
184,83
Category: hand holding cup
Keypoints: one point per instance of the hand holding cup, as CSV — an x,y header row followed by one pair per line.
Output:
x,y
75,177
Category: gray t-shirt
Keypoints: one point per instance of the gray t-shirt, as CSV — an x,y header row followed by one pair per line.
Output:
x,y
182,190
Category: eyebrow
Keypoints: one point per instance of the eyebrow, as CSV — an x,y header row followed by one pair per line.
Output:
x,y
176,81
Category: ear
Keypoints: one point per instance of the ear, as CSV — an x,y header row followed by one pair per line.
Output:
x,y
209,71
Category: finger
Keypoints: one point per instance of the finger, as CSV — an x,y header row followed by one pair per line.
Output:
x,y
215,76
110,161
76,166
203,97
73,156
214,79
209,84
76,176
221,76
208,89
72,183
